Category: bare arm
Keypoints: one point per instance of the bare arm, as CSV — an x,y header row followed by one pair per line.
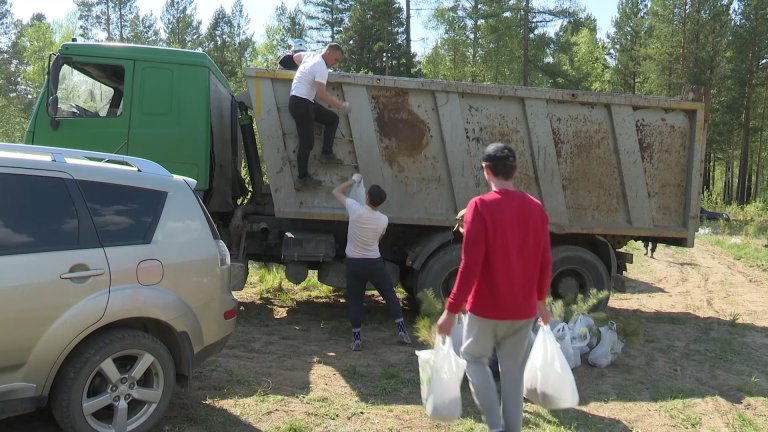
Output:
x,y
298,57
326,97
338,192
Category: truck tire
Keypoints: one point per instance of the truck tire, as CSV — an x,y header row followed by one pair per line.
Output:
x,y
119,380
439,271
576,270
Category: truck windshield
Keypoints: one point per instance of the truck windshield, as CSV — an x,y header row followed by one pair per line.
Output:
x,y
90,90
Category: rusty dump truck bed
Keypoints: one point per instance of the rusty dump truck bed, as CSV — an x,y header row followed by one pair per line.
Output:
x,y
606,164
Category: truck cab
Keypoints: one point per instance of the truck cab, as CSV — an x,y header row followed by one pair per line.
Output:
x,y
168,105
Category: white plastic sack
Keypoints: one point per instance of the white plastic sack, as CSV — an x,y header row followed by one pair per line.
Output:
x,y
583,332
609,347
572,355
440,373
457,334
357,191
548,380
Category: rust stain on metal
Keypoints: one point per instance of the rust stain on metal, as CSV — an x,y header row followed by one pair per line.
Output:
x,y
404,133
483,128
664,146
588,168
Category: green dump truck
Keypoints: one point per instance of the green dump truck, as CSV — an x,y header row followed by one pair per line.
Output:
x,y
609,168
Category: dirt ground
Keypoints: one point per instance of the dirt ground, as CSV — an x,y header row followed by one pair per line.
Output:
x,y
698,362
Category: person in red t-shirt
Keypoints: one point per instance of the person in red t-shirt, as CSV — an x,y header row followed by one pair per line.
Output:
x,y
503,280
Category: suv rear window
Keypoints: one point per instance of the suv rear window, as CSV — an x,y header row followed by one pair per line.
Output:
x,y
37,214
123,215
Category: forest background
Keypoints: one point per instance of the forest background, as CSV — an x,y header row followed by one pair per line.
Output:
x,y
655,47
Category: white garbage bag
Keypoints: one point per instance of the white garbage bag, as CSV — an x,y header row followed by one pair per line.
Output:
x,y
357,191
440,373
609,347
562,334
548,380
583,332
457,334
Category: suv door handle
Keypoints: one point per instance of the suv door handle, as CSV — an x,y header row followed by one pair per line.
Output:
x,y
82,274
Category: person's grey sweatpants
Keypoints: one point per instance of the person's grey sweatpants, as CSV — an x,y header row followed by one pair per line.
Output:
x,y
511,340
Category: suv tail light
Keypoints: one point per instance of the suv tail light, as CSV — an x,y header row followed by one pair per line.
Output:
x,y
223,253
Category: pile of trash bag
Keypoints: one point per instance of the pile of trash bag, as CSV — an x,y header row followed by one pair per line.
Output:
x,y
580,338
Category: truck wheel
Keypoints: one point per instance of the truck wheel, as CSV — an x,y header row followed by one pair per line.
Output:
x,y
575,271
121,380
439,271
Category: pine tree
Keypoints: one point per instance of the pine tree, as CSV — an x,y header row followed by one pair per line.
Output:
x,y
578,56
626,41
326,19
109,18
228,43
284,26
374,40
143,30
217,42
750,49
180,24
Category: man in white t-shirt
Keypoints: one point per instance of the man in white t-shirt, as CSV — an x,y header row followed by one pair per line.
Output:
x,y
308,85
364,262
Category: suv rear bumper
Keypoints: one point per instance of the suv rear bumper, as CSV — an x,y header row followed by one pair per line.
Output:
x,y
209,351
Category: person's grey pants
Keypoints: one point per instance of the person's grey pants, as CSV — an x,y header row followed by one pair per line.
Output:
x,y
511,341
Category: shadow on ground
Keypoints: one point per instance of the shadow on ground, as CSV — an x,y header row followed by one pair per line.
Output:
x,y
184,415
276,347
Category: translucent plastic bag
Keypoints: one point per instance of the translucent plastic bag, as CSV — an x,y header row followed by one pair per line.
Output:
x,y
357,191
548,380
457,334
440,373
583,332
563,336
609,347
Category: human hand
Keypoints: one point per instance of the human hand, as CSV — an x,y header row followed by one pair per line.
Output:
x,y
445,323
345,108
544,315
357,177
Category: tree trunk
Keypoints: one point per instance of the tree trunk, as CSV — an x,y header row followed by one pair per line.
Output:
x,y
741,186
408,30
705,185
683,42
526,38
758,171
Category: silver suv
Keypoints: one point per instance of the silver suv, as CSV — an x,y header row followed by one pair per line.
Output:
x,y
114,285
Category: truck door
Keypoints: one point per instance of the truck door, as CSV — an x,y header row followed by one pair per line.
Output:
x,y
88,104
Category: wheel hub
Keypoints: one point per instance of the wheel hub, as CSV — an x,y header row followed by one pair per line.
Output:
x,y
568,288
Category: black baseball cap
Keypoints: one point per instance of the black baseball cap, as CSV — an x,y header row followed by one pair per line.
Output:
x,y
499,153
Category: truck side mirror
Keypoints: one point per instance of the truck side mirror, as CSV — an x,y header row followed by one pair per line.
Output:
x,y
53,110
53,106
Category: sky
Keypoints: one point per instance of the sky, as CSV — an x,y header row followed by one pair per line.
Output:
x,y
260,12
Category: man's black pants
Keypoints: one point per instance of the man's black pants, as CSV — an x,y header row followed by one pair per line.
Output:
x,y
306,113
360,271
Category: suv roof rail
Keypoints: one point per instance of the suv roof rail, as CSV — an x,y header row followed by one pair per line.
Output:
x,y
59,154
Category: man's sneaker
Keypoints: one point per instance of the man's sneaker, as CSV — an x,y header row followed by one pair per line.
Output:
x,y
330,159
357,345
404,338
308,182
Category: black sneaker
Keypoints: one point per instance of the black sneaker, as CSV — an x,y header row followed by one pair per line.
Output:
x,y
308,182
330,159
357,345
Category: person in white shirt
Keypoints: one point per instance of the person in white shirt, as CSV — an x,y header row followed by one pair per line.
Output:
x,y
364,262
308,85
